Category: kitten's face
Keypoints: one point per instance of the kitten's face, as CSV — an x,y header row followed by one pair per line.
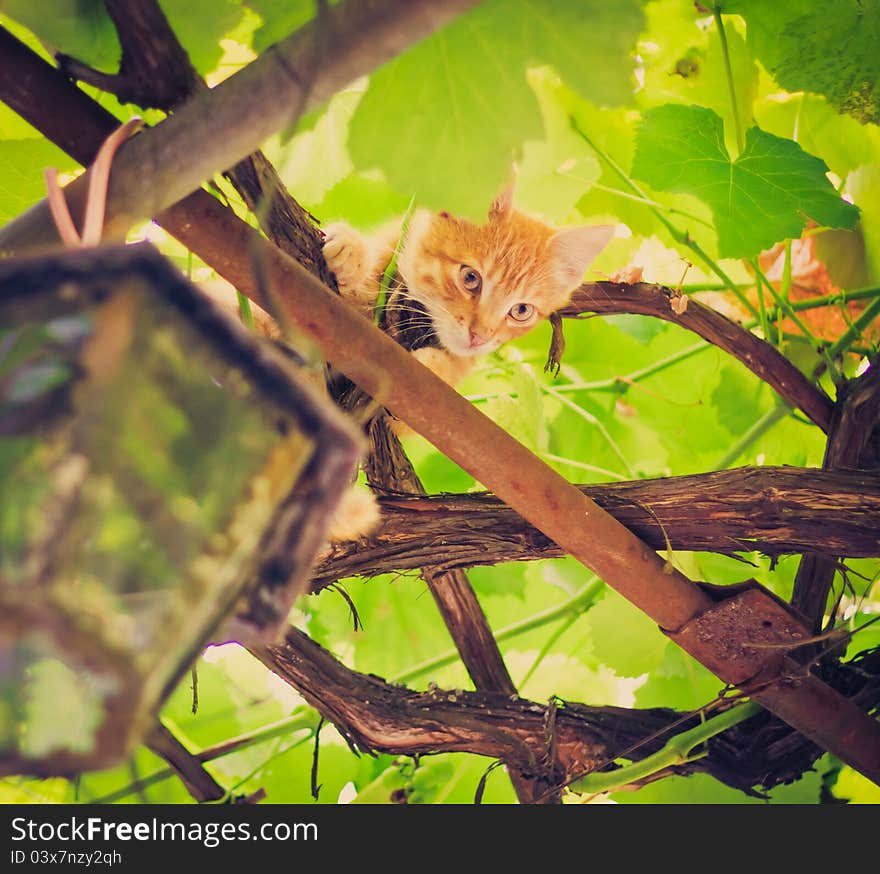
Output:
x,y
486,284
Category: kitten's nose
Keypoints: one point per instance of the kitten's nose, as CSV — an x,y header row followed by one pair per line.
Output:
x,y
476,339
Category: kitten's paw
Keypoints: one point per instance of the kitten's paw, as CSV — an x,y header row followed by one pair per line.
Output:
x,y
346,255
357,515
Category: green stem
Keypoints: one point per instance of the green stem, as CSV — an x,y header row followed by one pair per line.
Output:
x,y
691,287
764,424
391,269
837,297
762,310
592,420
618,382
728,68
615,383
548,645
647,201
785,290
245,311
677,751
680,237
581,465
576,605
843,343
304,718
785,306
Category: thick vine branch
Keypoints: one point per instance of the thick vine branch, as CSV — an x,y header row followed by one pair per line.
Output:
x,y
852,443
760,357
411,392
375,716
199,783
774,510
388,467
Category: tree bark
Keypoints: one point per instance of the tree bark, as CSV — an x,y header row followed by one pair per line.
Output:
x,y
773,510
852,443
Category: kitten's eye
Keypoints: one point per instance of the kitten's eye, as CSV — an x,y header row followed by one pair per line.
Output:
x,y
470,279
521,312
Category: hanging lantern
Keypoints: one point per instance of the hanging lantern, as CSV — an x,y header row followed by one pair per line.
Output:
x,y
166,479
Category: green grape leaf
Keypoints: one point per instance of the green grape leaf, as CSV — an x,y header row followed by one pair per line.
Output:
x,y
570,679
14,127
864,185
315,160
839,140
735,399
79,28
624,638
679,681
766,195
520,413
452,104
487,582
612,131
279,19
21,173
200,25
363,200
703,789
807,46
556,171
400,626
382,788
684,62
642,328
855,788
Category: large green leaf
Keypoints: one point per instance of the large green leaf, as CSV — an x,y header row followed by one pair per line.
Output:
x,y
811,45
556,171
766,195
201,25
684,62
21,173
446,119
864,183
79,28
279,18
839,140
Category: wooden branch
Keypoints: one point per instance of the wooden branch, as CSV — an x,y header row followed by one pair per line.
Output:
x,y
375,716
149,74
155,71
760,357
388,467
774,510
852,443
382,368
226,123
199,783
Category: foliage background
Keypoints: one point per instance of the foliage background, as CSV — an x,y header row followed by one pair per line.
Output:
x,y
636,397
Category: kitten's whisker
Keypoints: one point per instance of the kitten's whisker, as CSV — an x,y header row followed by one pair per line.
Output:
x,y
435,304
405,309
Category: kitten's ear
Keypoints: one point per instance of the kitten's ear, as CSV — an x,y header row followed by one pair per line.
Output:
x,y
573,250
503,203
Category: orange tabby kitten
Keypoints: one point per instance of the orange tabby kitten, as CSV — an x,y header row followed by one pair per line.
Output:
x,y
481,285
